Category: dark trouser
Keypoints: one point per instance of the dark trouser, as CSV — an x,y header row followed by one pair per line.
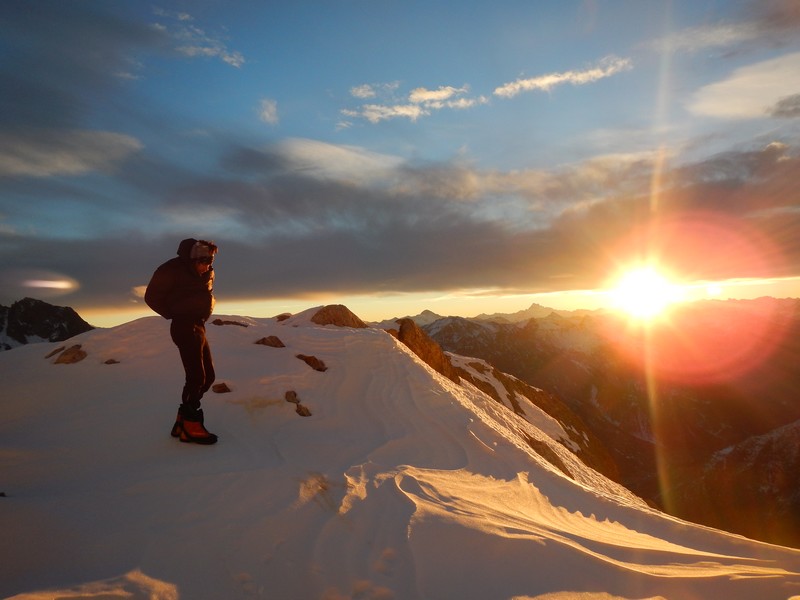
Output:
x,y
190,338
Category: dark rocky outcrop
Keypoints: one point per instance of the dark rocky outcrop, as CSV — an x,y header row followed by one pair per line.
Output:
x,y
423,346
30,320
313,362
221,322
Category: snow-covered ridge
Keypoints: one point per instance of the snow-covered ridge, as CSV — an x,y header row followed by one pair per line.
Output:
x,y
402,484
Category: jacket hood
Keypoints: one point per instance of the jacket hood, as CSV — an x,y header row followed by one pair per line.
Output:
x,y
185,248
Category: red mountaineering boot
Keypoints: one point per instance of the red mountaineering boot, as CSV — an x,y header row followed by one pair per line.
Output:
x,y
195,431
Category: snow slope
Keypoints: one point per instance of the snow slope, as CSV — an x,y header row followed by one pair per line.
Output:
x,y
400,485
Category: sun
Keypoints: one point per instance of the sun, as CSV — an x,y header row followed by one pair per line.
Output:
x,y
644,293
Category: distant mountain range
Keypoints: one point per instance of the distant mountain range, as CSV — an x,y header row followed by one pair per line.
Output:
x,y
534,311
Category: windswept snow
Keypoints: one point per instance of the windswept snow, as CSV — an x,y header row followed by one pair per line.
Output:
x,y
400,485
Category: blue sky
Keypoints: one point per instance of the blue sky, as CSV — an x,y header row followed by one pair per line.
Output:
x,y
394,156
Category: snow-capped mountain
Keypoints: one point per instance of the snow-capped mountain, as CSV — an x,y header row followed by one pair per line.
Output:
x,y
396,482
426,317
534,311
720,374
28,321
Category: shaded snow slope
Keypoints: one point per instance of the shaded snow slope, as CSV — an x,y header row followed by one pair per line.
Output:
x,y
400,485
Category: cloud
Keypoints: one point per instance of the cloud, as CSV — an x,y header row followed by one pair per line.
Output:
x,y
422,95
330,161
786,108
268,111
193,41
768,23
375,113
51,153
304,217
452,226
445,97
212,50
777,21
722,35
750,92
67,58
611,65
373,90
420,102
362,91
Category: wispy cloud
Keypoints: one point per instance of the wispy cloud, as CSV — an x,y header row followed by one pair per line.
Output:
x,y
193,41
375,113
373,90
52,153
268,111
420,102
721,35
425,96
328,161
611,65
363,91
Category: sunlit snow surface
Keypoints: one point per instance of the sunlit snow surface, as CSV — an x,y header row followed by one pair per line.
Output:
x,y
400,485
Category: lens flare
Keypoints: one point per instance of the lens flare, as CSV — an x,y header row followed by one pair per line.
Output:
x,y
692,344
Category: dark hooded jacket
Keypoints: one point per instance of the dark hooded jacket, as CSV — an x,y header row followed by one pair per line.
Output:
x,y
176,291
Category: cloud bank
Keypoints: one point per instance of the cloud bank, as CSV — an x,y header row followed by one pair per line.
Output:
x,y
305,218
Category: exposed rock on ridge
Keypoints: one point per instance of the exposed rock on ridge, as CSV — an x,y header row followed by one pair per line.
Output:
x,y
424,347
339,315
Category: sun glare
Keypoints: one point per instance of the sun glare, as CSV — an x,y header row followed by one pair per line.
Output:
x,y
644,293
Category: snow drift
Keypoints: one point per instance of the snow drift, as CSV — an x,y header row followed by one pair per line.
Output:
x,y
401,484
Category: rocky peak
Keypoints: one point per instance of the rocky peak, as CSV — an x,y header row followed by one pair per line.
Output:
x,y
30,320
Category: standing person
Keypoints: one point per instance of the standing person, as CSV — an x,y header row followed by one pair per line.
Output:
x,y
181,290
